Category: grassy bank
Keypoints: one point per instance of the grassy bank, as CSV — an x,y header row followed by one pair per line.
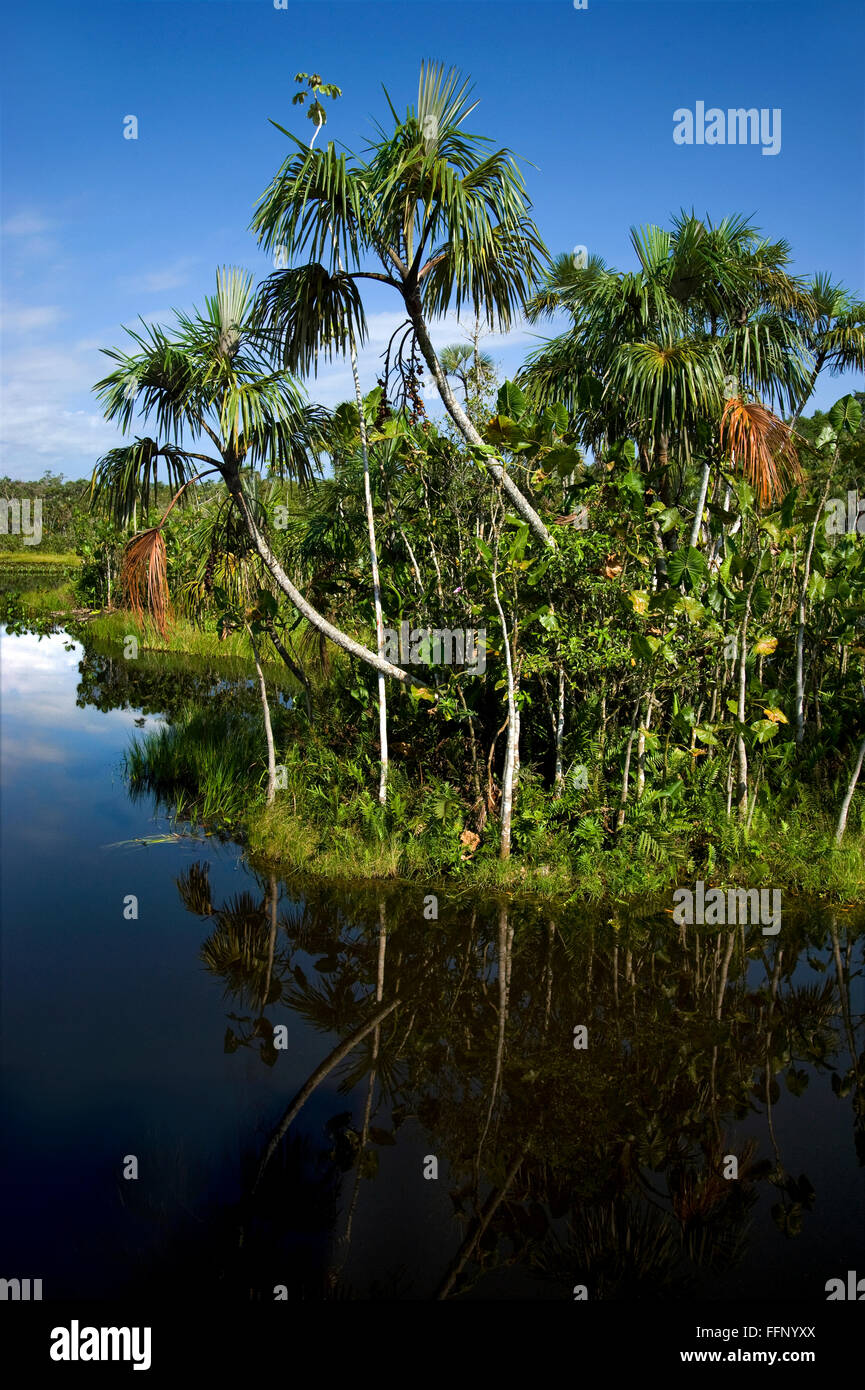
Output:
x,y
184,638
211,767
36,558
109,628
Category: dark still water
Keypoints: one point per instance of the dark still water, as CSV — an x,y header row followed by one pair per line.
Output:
x,y
249,1086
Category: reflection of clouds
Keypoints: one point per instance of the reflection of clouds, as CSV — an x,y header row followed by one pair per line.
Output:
x,y
38,687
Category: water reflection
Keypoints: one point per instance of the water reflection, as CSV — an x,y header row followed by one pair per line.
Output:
x,y
631,1166
332,1097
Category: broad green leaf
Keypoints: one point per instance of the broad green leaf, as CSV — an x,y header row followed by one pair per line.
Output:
x,y
706,734
644,646
689,560
846,414
765,729
565,461
692,608
510,401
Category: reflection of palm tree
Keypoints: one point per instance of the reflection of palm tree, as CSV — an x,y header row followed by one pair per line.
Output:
x,y
242,945
642,1101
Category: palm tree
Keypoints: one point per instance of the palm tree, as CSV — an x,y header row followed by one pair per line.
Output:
x,y
471,368
834,333
212,379
708,316
444,214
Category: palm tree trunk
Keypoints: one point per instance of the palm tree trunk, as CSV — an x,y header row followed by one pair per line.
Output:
x,y
467,429
851,787
305,609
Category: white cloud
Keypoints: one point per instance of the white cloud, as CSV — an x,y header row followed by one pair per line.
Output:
x,y
25,224
168,277
335,383
40,427
27,319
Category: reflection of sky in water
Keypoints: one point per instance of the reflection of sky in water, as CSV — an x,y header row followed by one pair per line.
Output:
x,y
112,1039
111,1030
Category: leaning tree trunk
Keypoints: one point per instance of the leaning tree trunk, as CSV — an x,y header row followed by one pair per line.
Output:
x,y
467,429
295,597
851,787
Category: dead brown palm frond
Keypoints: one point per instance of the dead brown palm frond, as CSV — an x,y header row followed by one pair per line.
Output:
x,y
144,578
762,446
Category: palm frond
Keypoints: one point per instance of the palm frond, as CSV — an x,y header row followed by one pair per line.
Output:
x,y
307,312
144,578
761,446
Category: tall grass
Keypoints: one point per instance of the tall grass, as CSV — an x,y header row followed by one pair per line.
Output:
x,y
207,767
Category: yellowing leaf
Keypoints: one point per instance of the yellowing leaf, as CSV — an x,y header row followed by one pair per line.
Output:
x,y
765,646
776,715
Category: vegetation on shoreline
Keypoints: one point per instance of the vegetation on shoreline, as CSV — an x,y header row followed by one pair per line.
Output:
x,y
635,535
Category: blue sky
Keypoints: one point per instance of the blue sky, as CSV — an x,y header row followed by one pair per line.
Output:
x,y
98,229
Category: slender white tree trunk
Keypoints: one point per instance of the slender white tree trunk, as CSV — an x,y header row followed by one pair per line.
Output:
x,y
376,582
626,773
701,502
511,749
370,524
800,629
560,731
742,752
641,747
268,729
851,787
